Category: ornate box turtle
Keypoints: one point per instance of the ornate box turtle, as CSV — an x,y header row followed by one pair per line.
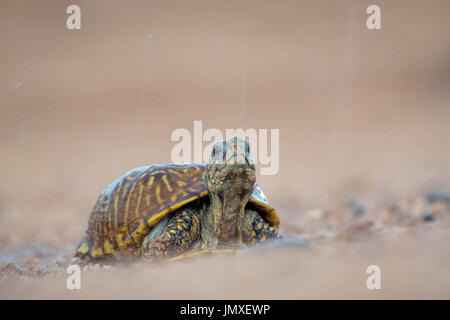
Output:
x,y
171,209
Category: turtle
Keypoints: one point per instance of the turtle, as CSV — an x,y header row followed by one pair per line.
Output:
x,y
167,210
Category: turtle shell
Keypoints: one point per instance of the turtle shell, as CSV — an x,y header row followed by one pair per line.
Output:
x,y
130,206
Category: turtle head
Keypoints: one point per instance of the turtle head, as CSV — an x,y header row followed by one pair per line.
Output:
x,y
230,180
230,167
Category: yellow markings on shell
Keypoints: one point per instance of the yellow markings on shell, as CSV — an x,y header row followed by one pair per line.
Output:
x,y
150,181
182,241
175,172
263,238
253,233
125,189
116,209
119,239
142,175
166,182
173,197
124,229
179,220
108,247
130,178
157,192
156,218
121,243
173,231
185,170
97,252
127,204
84,248
141,188
140,231
147,200
179,227
181,183
157,171
259,226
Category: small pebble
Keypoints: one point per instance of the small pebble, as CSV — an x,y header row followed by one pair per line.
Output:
x,y
428,216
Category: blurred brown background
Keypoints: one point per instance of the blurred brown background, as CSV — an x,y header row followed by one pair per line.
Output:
x,y
360,112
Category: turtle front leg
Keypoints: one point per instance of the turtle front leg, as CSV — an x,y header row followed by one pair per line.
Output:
x,y
255,229
173,236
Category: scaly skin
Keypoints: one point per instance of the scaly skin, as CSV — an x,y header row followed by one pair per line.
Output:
x,y
175,236
222,222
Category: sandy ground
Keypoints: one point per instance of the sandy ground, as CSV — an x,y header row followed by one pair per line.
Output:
x,y
364,139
